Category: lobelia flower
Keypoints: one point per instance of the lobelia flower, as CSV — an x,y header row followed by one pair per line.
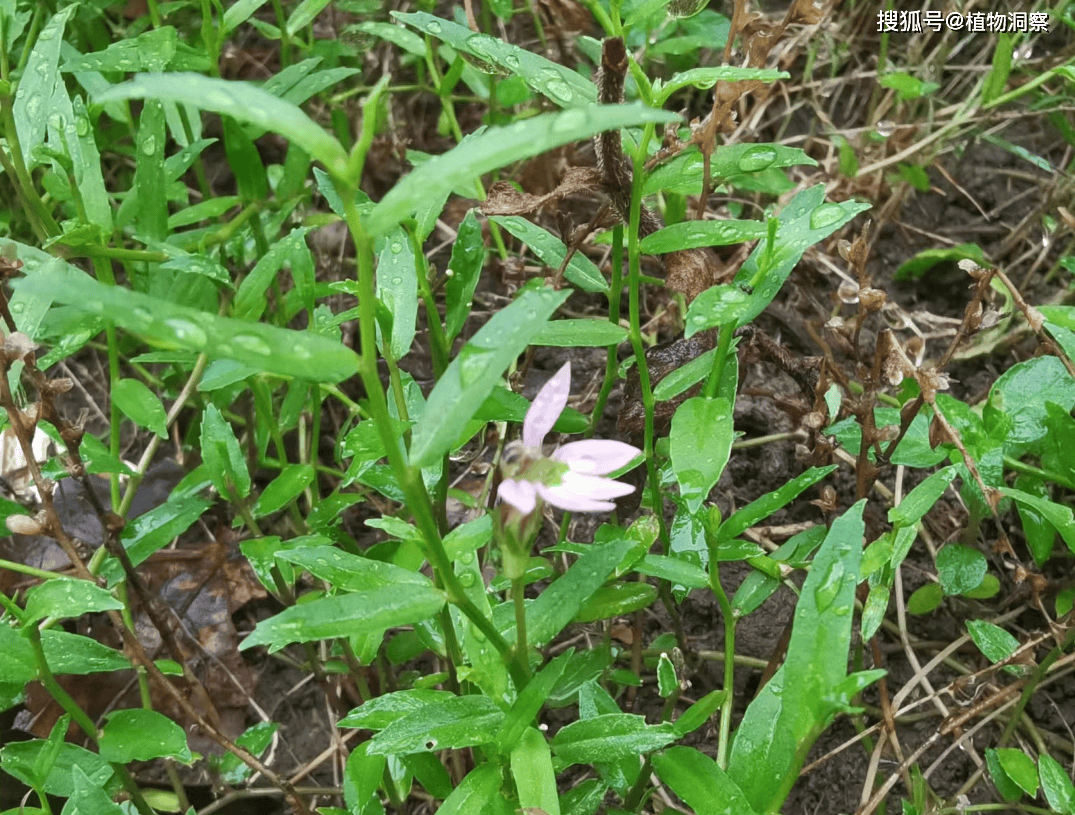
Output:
x,y
572,477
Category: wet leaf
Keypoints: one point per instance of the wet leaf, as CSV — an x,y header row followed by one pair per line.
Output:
x,y
996,643
301,354
240,100
700,782
446,723
65,597
610,736
580,333
140,405
790,712
499,146
580,270
464,270
960,568
347,615
475,371
535,778
142,735
700,444
1059,791
293,479
222,455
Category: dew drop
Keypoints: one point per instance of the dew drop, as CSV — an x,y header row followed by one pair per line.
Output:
x,y
82,126
511,61
396,247
757,158
886,127
252,343
466,558
149,145
397,281
186,331
18,308
466,579
433,27
826,215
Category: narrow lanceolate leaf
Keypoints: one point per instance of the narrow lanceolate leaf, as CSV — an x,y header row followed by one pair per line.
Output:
x,y
474,373
301,354
610,736
244,102
799,701
700,782
499,146
458,721
348,615
33,98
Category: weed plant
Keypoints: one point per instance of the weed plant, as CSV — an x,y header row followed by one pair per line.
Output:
x,y
337,263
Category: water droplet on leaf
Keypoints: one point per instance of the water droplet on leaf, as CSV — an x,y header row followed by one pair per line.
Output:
x,y
826,215
757,158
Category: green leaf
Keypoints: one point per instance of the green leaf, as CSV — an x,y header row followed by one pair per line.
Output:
x,y
301,354
997,78
700,444
222,455
378,713
675,570
33,97
996,643
529,702
925,260
464,269
907,86
68,653
804,221
155,529
478,794
698,713
65,597
790,712
475,371
348,615
397,290
960,568
535,780
608,737
700,782
1019,767
351,572
497,147
245,162
1020,394
741,520
1059,791
925,598
557,605
304,14
683,174
693,234
921,499
20,759
580,333
457,721
873,613
561,85
142,735
706,78
580,270
140,405
293,479
91,799
616,600
244,102
667,682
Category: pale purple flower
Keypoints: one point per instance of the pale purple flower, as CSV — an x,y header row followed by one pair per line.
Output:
x,y
572,477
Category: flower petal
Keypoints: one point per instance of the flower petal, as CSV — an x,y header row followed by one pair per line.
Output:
x,y
594,486
547,407
596,456
572,501
584,493
519,494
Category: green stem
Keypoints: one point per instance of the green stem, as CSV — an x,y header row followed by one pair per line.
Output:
x,y
712,384
724,739
409,477
615,295
634,285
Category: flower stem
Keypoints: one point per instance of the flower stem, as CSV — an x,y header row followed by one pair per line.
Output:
x,y
409,477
